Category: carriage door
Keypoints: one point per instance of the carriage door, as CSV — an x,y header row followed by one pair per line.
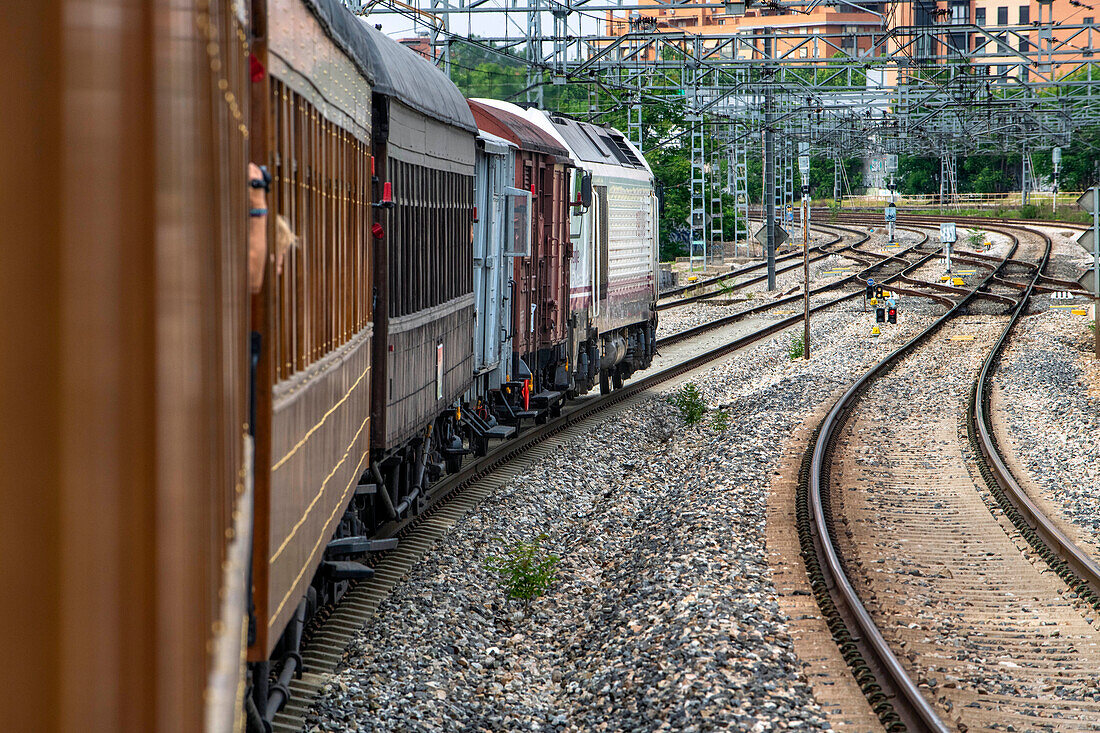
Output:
x,y
526,274
602,230
547,258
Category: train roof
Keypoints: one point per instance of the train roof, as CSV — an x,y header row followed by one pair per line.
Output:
x,y
413,80
595,144
515,128
345,30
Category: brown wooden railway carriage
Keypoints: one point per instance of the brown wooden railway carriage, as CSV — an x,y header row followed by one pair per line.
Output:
x,y
313,423
424,142
123,196
540,288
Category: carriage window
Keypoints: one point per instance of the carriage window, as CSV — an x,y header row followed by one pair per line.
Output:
x,y
517,237
321,258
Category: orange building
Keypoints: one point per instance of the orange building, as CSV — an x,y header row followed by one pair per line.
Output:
x,y
1013,27
823,32
826,31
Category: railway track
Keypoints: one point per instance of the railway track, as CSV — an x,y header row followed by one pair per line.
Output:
x,y
737,271
784,263
908,512
452,497
855,279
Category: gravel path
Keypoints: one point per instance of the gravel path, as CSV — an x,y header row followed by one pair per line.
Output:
x,y
664,614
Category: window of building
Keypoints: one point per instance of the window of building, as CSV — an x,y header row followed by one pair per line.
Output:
x,y
1025,16
1023,45
979,16
1002,15
1089,21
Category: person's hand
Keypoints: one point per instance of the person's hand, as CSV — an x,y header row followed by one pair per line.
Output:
x,y
257,197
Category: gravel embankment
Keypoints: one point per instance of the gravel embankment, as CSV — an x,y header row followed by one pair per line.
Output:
x,y
663,616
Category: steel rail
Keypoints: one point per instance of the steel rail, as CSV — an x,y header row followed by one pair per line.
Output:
x,y
1085,571
448,489
845,251
865,649
755,265
820,251
851,279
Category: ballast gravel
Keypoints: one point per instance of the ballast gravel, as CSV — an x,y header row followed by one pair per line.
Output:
x,y
663,614
1050,395
834,267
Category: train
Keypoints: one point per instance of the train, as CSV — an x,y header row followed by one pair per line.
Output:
x,y
209,460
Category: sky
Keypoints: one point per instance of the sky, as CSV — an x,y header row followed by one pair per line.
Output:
x,y
480,24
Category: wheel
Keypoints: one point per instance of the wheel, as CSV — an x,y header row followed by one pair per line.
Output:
x,y
605,382
617,379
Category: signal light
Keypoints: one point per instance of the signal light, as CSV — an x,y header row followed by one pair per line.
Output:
x,y
880,315
893,315
387,192
870,291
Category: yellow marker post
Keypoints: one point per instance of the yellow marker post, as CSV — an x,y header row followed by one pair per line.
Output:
x,y
875,331
958,282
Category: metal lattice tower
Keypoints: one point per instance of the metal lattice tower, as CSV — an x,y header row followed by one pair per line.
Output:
x,y
949,187
717,233
534,53
740,180
698,176
1027,175
788,178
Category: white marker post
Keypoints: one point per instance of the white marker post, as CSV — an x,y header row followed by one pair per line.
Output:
x,y
947,236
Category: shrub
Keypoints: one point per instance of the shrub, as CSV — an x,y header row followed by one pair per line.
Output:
x,y
721,420
975,238
525,569
689,400
797,348
1029,211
